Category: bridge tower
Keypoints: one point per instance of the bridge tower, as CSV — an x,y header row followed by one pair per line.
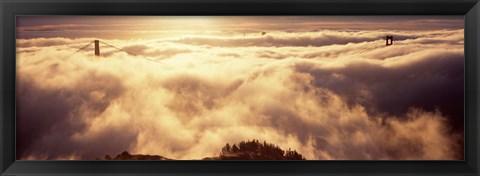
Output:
x,y
97,47
389,40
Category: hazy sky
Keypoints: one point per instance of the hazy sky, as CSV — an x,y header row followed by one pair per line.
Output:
x,y
166,26
326,86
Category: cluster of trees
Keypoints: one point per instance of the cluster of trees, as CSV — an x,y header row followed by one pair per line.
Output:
x,y
254,150
249,150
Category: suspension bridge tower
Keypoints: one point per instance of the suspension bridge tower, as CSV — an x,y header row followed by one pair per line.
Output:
x,y
389,40
97,48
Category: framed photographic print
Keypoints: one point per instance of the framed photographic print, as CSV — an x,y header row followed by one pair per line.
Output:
x,y
312,87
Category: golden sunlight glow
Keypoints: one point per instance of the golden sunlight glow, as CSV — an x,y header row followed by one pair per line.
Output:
x,y
184,87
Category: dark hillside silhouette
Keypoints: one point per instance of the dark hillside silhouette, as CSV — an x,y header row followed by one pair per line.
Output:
x,y
127,156
250,150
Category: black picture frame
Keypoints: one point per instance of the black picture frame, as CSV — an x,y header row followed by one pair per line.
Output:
x,y
11,8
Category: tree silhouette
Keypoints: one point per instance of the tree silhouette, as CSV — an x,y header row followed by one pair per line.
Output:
x,y
226,150
235,148
254,150
293,155
244,150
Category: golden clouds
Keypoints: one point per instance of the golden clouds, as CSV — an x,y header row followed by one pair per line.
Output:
x,y
306,91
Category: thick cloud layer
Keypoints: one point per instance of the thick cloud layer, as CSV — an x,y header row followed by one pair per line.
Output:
x,y
327,94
